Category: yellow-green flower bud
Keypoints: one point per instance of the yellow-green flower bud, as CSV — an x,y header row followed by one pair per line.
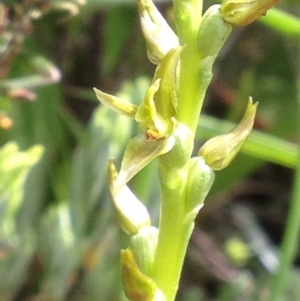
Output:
x,y
219,151
243,12
213,32
143,246
199,181
137,285
131,213
159,36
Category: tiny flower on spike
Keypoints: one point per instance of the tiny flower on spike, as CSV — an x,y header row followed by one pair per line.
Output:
x,y
219,151
156,113
148,117
243,12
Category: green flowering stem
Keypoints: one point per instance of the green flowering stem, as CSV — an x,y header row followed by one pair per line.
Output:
x,y
173,233
197,58
194,76
188,17
189,91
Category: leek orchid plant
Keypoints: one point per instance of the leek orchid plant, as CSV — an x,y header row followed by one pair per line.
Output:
x,y
168,116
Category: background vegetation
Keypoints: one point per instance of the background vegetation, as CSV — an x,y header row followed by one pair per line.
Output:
x,y
58,237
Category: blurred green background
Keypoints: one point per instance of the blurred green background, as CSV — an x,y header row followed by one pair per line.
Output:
x,y
58,236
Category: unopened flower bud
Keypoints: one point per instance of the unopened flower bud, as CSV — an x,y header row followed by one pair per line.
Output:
x,y
143,246
243,12
137,285
159,36
199,181
219,151
131,213
213,32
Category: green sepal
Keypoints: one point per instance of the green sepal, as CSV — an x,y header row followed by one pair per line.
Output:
x,y
148,117
219,151
132,215
244,12
139,152
116,104
199,182
166,97
159,36
137,285
143,245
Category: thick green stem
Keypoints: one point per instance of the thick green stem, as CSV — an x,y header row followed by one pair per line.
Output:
x,y
173,233
202,45
188,17
190,97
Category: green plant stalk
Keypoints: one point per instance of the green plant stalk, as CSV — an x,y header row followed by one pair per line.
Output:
x,y
188,17
291,236
174,234
195,74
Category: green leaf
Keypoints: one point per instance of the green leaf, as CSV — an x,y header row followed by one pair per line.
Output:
x,y
14,168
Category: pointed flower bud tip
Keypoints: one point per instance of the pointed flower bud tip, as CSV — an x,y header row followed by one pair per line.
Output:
x,y
159,36
132,215
243,12
219,151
